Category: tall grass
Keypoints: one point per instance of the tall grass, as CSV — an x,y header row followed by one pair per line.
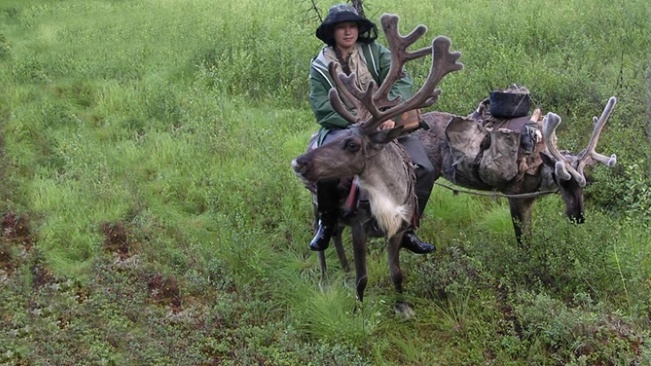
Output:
x,y
165,129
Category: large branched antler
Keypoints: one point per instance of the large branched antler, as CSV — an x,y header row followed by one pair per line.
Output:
x,y
373,105
563,167
588,157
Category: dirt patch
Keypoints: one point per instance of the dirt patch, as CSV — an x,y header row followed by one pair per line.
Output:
x,y
41,274
16,239
119,240
164,290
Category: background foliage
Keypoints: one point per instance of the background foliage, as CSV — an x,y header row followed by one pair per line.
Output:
x,y
149,215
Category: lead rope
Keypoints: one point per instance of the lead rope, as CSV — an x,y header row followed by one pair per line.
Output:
x,y
496,194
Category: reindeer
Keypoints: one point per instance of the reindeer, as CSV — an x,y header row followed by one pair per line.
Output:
x,y
545,171
382,167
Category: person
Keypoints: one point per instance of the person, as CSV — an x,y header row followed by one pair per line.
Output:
x,y
350,40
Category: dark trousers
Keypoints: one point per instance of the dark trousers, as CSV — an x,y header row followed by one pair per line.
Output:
x,y
327,195
424,170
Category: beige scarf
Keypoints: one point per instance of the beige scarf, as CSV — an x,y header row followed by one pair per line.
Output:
x,y
357,65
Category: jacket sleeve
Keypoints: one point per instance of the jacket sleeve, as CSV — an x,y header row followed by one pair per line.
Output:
x,y
323,111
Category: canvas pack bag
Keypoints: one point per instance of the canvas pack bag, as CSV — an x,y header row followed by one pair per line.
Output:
x,y
499,164
489,155
465,136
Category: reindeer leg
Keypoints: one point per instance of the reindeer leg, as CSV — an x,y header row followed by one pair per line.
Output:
x,y
322,264
359,253
321,254
393,252
341,254
521,209
339,247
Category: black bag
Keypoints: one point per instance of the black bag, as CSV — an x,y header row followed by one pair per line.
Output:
x,y
510,103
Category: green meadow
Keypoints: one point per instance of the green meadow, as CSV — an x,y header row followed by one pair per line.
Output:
x,y
150,215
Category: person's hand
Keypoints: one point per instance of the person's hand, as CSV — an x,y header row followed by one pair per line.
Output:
x,y
387,125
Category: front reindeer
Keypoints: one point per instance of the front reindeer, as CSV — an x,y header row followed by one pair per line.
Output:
x,y
383,168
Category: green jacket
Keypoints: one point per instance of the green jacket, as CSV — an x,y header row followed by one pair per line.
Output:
x,y
378,59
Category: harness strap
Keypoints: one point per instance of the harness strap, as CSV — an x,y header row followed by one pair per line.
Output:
x,y
351,200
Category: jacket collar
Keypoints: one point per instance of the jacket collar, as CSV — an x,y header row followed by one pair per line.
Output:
x,y
320,64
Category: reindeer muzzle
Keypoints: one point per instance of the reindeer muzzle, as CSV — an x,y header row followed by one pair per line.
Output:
x,y
299,167
303,167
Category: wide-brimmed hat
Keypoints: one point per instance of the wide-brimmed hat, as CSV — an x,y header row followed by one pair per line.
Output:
x,y
339,14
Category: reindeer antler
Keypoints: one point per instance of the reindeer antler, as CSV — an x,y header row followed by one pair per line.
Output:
x,y
373,104
344,84
399,54
588,157
563,168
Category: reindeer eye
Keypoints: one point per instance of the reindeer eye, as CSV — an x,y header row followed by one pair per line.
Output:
x,y
351,146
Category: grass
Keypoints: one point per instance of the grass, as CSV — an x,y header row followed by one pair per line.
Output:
x,y
149,215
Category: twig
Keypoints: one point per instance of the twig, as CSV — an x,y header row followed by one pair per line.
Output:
x,y
316,10
357,4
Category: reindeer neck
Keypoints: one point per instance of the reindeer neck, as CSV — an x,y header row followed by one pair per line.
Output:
x,y
389,167
388,182
538,178
547,182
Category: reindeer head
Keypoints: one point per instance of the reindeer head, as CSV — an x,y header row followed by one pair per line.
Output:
x,y
567,169
350,152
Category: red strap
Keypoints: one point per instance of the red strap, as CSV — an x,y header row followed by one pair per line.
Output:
x,y
351,200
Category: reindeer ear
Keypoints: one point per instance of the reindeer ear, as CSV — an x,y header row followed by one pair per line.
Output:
x,y
547,160
384,136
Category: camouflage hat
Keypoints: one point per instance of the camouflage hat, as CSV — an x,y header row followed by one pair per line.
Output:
x,y
338,14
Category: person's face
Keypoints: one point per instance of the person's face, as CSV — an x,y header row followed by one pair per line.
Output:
x,y
346,35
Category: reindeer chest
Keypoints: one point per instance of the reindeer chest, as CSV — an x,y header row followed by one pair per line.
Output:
x,y
388,184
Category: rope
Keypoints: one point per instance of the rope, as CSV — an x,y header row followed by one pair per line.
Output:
x,y
496,194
